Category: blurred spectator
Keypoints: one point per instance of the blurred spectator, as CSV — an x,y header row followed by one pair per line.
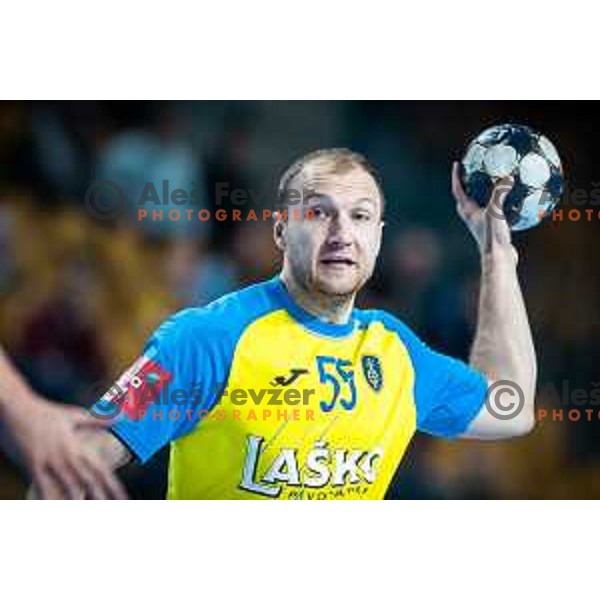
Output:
x,y
254,251
60,341
422,294
140,161
226,170
198,276
6,246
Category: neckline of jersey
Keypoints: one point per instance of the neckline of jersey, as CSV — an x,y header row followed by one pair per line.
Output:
x,y
308,320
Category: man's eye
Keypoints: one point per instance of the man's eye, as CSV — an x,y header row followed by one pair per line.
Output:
x,y
317,212
362,216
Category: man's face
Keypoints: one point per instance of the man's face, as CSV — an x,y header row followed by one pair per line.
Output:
x,y
334,252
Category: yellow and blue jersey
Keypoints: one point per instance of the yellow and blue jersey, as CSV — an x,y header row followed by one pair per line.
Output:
x,y
260,399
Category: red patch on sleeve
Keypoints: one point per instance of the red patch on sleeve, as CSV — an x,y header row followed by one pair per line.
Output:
x,y
141,385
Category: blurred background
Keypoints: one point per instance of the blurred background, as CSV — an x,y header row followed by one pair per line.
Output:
x,y
82,286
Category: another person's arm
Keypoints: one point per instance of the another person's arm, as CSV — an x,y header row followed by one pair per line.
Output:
x,y
48,438
106,451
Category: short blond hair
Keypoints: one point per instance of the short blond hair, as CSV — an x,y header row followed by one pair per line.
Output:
x,y
336,160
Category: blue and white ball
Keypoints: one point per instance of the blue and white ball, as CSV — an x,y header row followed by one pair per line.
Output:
x,y
525,155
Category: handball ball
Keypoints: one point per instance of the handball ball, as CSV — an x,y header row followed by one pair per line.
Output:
x,y
526,156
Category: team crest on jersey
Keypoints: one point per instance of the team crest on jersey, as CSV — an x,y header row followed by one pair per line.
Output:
x,y
373,372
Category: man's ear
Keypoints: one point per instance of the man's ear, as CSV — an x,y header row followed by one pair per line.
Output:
x,y
380,237
279,231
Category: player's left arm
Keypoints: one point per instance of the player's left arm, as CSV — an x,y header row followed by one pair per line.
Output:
x,y
503,348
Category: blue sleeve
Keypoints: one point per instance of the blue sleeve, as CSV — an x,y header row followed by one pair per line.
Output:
x,y
448,393
182,371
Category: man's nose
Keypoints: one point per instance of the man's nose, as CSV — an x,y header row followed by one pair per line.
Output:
x,y
340,230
